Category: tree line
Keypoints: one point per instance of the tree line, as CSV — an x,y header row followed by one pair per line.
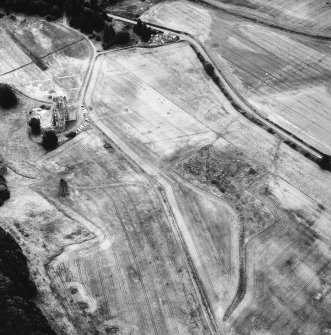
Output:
x,y
18,313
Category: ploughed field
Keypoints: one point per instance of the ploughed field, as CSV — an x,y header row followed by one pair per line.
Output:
x,y
43,58
133,276
278,199
285,77
153,93
165,107
312,16
182,216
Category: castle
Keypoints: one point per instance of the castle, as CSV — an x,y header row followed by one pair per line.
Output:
x,y
54,117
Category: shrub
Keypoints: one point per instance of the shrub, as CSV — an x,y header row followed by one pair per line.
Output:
x,y
50,140
72,134
8,98
64,189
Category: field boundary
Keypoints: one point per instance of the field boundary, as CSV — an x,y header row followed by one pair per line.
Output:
x,y
242,106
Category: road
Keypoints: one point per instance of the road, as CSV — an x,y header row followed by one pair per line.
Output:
x,y
238,101
167,181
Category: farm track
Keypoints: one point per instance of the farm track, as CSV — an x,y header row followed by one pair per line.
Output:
x,y
97,181
148,167
235,97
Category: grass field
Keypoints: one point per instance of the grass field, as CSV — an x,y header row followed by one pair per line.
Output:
x,y
134,275
13,57
282,76
41,37
64,53
16,146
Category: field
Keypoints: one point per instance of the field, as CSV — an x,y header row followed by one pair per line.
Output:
x,y
283,76
182,216
45,58
206,109
16,147
128,8
154,112
283,252
308,15
215,231
246,167
134,276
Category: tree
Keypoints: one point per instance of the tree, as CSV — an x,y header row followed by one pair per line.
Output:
x,y
8,98
4,192
122,37
64,189
72,7
94,4
143,31
98,22
74,22
146,33
35,125
3,169
108,33
325,162
209,68
50,140
56,11
86,20
138,27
